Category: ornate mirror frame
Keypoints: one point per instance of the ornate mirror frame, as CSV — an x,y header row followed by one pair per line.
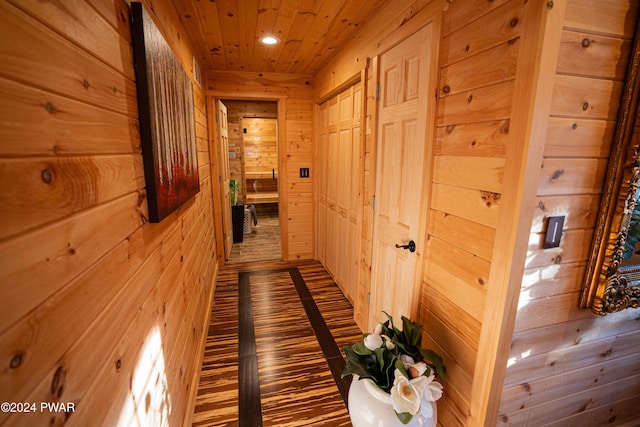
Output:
x,y
610,285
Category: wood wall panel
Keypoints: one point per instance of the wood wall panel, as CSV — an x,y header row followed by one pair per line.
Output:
x,y
611,17
55,188
568,366
585,97
593,55
89,80
87,283
570,137
480,32
44,123
473,139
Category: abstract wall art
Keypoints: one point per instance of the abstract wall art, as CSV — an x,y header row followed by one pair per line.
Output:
x,y
166,116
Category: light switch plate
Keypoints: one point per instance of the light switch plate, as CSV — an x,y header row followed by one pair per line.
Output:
x,y
554,232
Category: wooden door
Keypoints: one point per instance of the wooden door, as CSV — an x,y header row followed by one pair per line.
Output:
x,y
400,178
225,192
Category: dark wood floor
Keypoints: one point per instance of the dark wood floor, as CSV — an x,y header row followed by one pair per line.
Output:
x,y
273,355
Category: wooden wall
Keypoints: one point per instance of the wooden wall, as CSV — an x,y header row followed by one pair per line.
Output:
x,y
339,168
94,299
261,160
295,124
236,110
568,366
493,105
475,94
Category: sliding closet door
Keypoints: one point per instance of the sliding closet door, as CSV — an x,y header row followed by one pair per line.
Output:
x,y
339,168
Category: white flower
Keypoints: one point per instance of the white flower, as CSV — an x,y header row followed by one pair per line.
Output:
x,y
372,341
426,409
417,369
388,343
378,329
406,395
407,360
432,390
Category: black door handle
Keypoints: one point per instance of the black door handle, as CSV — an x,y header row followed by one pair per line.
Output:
x,y
411,246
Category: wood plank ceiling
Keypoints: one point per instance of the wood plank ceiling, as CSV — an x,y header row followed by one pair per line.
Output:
x,y
226,33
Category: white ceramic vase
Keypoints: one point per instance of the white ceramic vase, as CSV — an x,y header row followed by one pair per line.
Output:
x,y
370,406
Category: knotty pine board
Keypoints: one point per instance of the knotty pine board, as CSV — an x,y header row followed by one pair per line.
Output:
x,y
53,188
101,40
474,139
498,64
481,173
562,278
73,248
470,236
593,55
561,176
572,137
538,391
44,123
489,28
93,81
585,98
612,17
474,205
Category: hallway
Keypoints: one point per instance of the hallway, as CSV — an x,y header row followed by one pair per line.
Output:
x,y
273,354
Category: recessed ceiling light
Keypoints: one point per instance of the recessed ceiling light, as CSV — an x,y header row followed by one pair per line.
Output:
x,y
269,40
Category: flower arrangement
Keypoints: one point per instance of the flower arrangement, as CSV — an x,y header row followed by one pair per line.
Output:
x,y
394,361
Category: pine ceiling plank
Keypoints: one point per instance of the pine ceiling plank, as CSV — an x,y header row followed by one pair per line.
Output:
x,y
267,16
346,22
319,29
230,29
299,26
209,21
310,31
188,12
247,20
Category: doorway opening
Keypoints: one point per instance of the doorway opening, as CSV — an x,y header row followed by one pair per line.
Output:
x,y
253,156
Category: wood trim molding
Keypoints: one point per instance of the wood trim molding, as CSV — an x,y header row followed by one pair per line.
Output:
x,y
537,62
282,132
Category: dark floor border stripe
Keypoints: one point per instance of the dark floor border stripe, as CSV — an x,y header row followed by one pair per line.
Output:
x,y
328,344
249,405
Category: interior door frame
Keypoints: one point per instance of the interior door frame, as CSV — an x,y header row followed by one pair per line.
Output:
x,y
427,174
212,95
222,146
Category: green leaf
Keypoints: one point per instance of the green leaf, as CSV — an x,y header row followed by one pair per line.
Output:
x,y
380,357
357,365
404,417
433,359
412,331
396,331
400,366
361,349
402,348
